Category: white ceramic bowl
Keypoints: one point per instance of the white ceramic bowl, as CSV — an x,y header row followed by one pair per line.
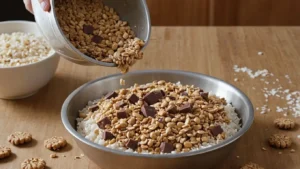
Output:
x,y
23,81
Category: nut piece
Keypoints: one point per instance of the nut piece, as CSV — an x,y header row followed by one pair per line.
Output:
x,y
280,141
53,156
4,152
55,143
251,166
19,138
284,123
33,163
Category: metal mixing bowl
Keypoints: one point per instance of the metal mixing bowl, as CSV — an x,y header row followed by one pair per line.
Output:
x,y
108,158
135,12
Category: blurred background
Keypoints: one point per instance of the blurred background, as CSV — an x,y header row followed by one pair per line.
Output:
x,y
199,12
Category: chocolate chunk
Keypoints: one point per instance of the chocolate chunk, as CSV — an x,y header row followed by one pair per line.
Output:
x,y
108,135
132,144
145,103
186,108
163,93
204,95
111,95
88,29
148,111
103,122
166,147
172,98
96,39
172,109
153,97
93,108
120,104
216,130
133,99
122,114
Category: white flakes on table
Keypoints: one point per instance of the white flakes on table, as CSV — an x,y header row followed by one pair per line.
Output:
x,y
288,78
258,73
236,79
260,53
264,109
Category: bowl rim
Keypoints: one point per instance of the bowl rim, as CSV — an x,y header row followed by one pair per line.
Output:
x,y
74,133
30,64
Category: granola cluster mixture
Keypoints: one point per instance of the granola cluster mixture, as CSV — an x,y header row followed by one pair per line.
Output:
x,y
159,117
97,31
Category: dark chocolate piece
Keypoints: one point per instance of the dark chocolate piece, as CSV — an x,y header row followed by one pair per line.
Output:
x,y
172,98
186,108
88,29
153,97
96,39
93,108
108,135
148,111
204,95
133,99
103,122
111,95
132,144
172,110
122,114
216,130
120,104
166,147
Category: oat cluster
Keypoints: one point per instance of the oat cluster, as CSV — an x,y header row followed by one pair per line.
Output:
x,y
251,166
33,163
280,141
19,138
55,143
284,123
97,31
159,117
4,152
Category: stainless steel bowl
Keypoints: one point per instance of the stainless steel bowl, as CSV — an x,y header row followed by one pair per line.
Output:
x,y
134,11
108,158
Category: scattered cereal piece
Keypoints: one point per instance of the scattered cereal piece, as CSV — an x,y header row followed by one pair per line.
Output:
x,y
53,156
77,157
293,150
237,156
64,156
81,155
260,53
33,163
280,141
251,166
4,152
122,82
264,149
55,143
19,138
279,152
284,123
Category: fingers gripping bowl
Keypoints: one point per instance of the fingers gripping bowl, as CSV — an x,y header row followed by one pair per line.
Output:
x,y
110,158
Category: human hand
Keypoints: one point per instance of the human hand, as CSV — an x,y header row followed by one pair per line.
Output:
x,y
45,4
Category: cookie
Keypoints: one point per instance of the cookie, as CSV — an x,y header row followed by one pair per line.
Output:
x,y
33,163
284,123
251,166
280,141
4,152
19,138
55,143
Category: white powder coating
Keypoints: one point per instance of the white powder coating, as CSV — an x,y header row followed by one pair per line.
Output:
x,y
88,128
19,48
291,99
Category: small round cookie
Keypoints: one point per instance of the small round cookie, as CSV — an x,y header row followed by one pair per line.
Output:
x,y
19,138
33,163
284,123
4,152
280,141
251,166
55,143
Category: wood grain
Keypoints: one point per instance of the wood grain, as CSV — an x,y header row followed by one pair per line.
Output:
x,y
208,50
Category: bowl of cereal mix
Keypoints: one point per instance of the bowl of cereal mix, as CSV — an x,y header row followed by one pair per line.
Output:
x,y
109,33
27,62
157,119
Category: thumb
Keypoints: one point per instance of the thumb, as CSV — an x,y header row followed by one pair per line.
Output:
x,y
45,4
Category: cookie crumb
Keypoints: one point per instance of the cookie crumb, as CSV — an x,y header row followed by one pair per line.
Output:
x,y
251,166
19,138
53,156
284,123
293,150
280,141
55,143
4,152
122,82
33,163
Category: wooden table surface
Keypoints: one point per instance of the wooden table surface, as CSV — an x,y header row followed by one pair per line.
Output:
x,y
208,50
